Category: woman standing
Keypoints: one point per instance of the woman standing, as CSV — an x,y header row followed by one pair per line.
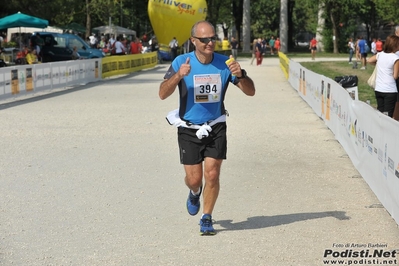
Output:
x,y
357,51
387,66
351,46
255,41
259,52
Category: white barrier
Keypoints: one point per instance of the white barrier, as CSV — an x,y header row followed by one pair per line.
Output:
x,y
369,137
22,80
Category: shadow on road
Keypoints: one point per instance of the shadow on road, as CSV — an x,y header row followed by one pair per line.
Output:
x,y
259,222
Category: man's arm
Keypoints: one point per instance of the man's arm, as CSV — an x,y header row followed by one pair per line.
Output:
x,y
247,86
168,86
244,83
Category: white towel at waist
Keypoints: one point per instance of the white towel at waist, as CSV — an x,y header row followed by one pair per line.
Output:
x,y
202,130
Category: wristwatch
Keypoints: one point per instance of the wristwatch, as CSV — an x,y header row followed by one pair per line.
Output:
x,y
243,74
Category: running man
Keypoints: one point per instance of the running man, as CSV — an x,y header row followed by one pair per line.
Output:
x,y
202,77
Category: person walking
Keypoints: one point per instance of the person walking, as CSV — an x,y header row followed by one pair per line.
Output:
x,y
234,47
259,52
386,92
361,46
202,77
313,47
254,42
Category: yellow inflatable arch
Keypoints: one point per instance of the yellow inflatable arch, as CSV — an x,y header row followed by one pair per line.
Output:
x,y
174,18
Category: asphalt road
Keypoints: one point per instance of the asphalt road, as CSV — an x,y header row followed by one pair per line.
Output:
x,y
91,176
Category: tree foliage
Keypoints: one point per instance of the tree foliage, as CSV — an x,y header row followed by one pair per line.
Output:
x,y
344,18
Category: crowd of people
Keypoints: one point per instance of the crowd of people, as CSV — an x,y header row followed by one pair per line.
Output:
x,y
261,46
122,44
31,53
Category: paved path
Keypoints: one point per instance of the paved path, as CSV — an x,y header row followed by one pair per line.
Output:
x,y
91,176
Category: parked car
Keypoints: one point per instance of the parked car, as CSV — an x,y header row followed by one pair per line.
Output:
x,y
59,47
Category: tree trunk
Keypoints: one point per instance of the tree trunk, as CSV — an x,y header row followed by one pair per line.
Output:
x,y
284,25
88,19
246,27
320,27
335,32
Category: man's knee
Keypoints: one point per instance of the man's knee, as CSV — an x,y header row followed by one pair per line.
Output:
x,y
212,173
193,181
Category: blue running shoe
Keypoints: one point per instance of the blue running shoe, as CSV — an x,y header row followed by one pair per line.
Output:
x,y
193,203
206,225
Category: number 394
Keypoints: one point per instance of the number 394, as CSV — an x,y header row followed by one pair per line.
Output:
x,y
208,88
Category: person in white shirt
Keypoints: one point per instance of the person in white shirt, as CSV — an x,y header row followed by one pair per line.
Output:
x,y
93,40
111,40
386,92
119,47
173,47
351,47
373,46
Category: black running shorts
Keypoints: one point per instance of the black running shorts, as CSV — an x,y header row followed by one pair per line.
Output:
x,y
193,150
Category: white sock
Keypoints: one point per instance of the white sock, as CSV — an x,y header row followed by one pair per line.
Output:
x,y
196,193
206,214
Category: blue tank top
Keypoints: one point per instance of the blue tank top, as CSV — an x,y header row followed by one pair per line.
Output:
x,y
202,92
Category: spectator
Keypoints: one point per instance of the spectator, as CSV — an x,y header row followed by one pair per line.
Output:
x,y
93,40
225,45
75,54
379,45
254,42
102,43
313,47
31,57
234,47
21,56
259,52
111,40
173,45
119,48
357,52
277,45
135,46
363,52
351,47
155,48
271,45
374,46
386,92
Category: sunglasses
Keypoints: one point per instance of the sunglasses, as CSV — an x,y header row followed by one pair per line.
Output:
x,y
206,40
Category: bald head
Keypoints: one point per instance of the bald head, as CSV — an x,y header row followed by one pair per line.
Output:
x,y
201,26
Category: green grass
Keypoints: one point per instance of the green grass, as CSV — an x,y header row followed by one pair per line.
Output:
x,y
334,69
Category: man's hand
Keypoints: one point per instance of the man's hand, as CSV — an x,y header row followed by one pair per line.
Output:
x,y
234,67
185,68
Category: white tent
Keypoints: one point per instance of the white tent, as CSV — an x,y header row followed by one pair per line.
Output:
x,y
116,30
18,30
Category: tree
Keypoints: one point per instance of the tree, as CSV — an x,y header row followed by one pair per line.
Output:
x,y
246,26
284,25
